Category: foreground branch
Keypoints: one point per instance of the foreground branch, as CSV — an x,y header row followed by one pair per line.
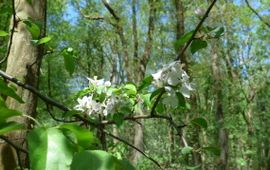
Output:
x,y
196,29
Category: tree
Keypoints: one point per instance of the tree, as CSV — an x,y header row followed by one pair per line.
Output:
x,y
24,61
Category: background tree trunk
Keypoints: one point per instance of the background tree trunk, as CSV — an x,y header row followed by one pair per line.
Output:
x,y
23,63
138,137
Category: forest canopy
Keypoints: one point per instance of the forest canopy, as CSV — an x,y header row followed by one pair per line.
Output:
x,y
134,84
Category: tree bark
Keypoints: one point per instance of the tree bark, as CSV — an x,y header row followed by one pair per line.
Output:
x,y
23,63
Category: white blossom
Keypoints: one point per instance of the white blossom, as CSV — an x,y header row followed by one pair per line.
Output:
x,y
100,82
110,106
88,105
173,75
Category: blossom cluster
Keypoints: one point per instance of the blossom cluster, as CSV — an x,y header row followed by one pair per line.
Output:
x,y
174,79
90,105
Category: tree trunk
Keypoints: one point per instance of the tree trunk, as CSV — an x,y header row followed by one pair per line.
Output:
x,y
217,88
149,42
23,63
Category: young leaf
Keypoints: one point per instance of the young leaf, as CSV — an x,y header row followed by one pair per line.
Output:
x,y
156,93
3,33
147,81
5,90
196,45
32,28
69,60
6,127
182,40
43,40
131,89
200,122
49,149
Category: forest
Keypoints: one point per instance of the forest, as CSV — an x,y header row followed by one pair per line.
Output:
x,y
134,84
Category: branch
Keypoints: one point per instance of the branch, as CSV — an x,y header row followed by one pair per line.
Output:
x,y
196,29
111,10
134,118
17,148
50,101
257,14
134,147
12,32
32,89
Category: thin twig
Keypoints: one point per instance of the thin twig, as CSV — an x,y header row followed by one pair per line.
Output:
x,y
134,147
257,14
196,29
12,32
13,145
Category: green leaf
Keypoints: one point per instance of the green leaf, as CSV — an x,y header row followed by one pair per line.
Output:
x,y
182,40
146,99
156,92
32,28
147,81
97,160
44,40
6,127
3,33
200,122
49,149
6,113
131,89
69,60
211,149
5,90
186,150
181,99
84,137
160,107
2,103
118,118
196,45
